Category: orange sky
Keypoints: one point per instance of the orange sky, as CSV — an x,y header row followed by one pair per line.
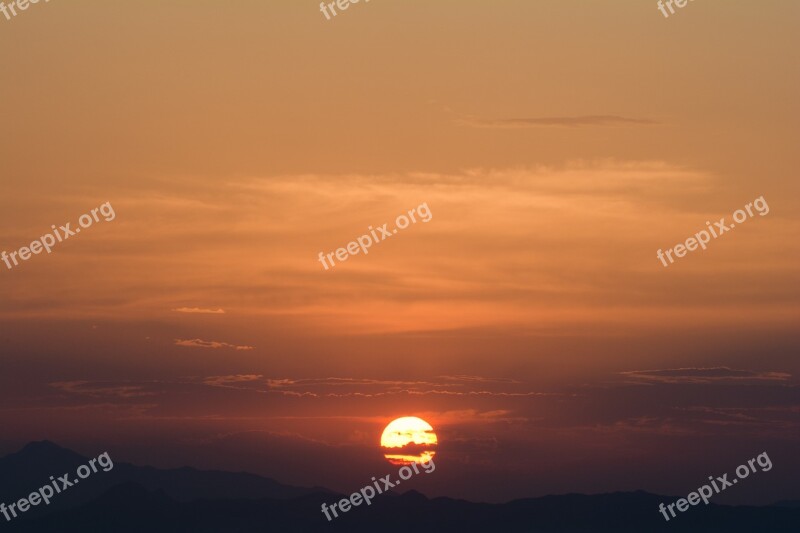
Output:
x,y
558,144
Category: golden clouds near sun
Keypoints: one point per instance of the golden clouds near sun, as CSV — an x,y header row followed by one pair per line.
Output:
x,y
408,440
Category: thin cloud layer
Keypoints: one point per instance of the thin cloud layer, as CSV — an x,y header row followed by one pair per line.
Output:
x,y
544,232
199,343
231,381
705,375
104,389
557,122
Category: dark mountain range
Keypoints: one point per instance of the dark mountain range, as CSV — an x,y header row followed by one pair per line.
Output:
x,y
131,507
29,469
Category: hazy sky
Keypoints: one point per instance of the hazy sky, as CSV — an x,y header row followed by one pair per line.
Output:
x,y
558,145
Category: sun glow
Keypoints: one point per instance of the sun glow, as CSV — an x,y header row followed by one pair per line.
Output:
x,y
407,440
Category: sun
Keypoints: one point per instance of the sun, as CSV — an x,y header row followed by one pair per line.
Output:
x,y
408,440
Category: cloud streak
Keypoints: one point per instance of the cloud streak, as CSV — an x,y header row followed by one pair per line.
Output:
x,y
199,310
557,122
103,389
231,382
705,375
200,343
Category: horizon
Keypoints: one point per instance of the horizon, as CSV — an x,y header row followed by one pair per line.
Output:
x,y
326,490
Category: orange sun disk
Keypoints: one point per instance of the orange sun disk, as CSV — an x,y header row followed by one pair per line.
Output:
x,y
408,440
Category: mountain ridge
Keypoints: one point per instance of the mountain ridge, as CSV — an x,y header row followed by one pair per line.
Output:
x,y
149,500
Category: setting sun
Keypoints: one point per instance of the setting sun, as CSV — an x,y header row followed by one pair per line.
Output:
x,y
407,440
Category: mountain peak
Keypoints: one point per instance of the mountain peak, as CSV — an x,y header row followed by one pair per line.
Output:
x,y
42,446
48,449
40,456
413,496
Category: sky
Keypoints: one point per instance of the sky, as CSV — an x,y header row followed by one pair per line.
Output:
x,y
556,145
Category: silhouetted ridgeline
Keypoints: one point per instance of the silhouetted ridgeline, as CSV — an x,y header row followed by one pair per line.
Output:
x,y
132,499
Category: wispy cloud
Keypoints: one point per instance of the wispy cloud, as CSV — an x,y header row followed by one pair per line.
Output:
x,y
557,122
567,217
704,375
446,386
477,379
199,343
198,310
338,382
103,389
231,382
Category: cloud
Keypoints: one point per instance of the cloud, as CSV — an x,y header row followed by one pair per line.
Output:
x,y
116,411
548,122
199,343
229,382
339,382
278,383
705,375
487,393
546,230
102,389
412,448
477,379
446,386
198,310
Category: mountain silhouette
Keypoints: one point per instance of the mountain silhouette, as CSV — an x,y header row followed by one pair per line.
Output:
x,y
130,506
24,472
